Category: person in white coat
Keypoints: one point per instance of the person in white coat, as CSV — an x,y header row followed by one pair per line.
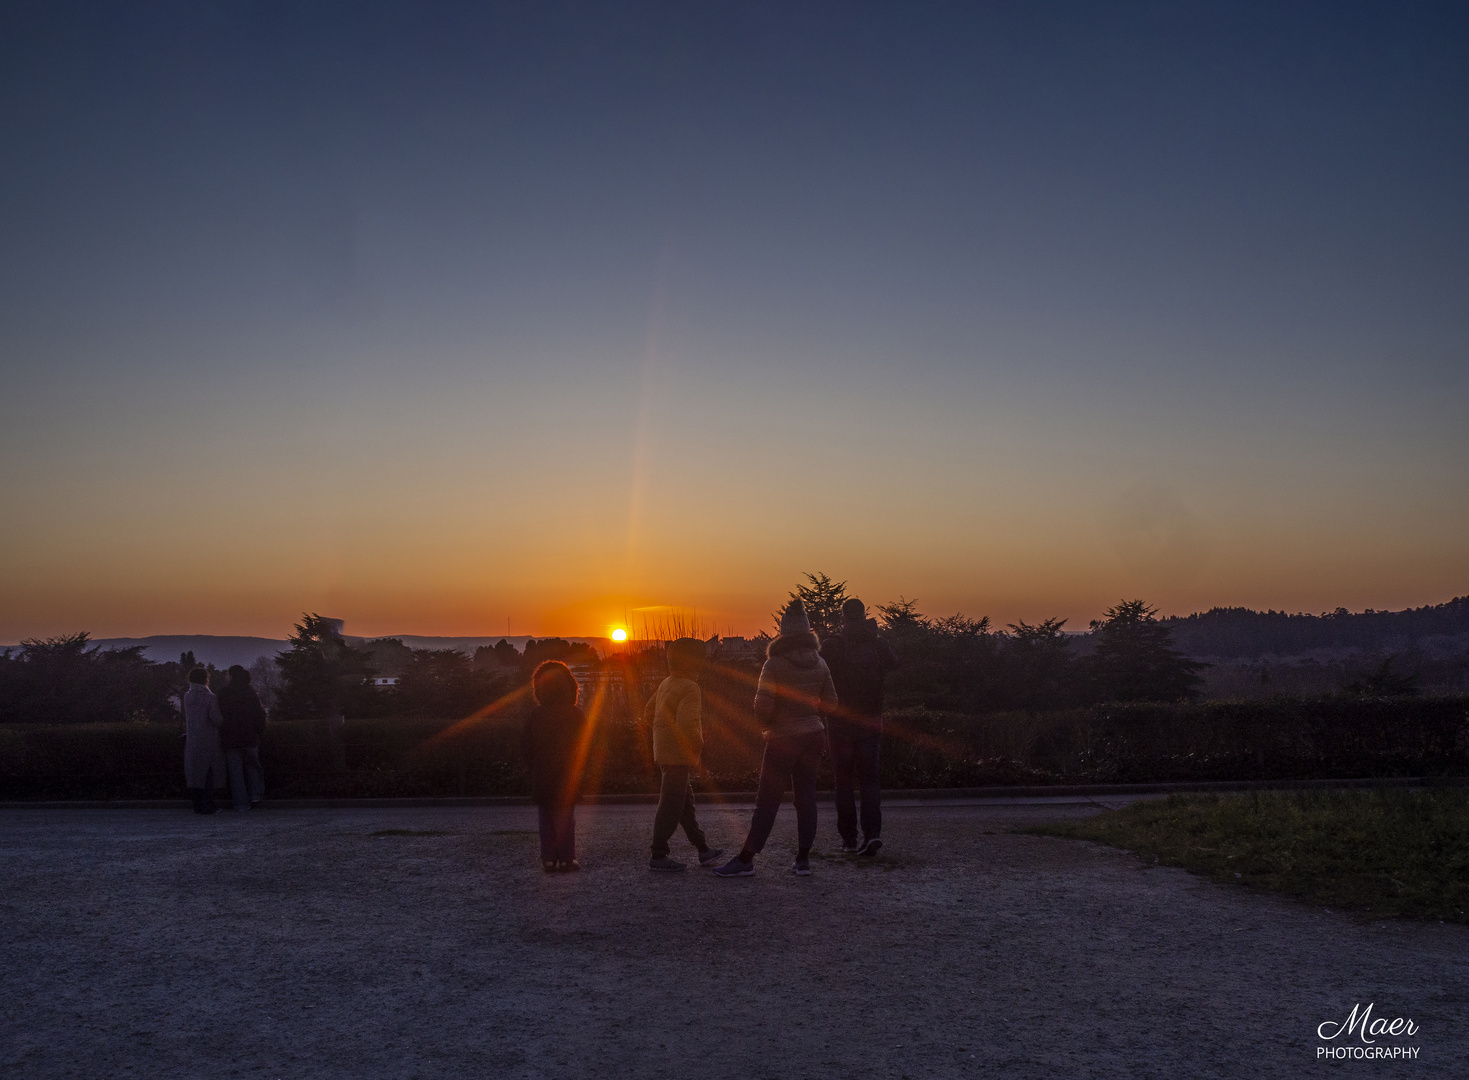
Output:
x,y
204,763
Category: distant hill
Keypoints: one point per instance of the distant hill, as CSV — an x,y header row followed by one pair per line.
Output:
x,y
1240,633
207,648
223,651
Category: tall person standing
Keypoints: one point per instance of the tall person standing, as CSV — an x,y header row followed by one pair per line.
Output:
x,y
859,660
795,690
555,744
204,766
244,724
675,714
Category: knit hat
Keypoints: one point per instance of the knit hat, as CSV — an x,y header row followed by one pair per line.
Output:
x,y
793,620
854,610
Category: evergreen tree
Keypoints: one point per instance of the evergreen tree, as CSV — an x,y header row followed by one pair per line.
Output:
x,y
1038,666
320,672
823,600
1134,658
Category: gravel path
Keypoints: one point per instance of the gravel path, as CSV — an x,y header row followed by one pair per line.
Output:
x,y
299,943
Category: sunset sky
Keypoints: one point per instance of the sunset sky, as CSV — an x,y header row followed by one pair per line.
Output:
x,y
446,319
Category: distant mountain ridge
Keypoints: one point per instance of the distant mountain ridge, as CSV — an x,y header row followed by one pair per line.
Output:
x,y
223,651
1240,633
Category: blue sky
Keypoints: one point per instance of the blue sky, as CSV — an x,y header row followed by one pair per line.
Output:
x,y
437,315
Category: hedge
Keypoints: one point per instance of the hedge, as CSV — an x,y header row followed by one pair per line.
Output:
x,y
1279,739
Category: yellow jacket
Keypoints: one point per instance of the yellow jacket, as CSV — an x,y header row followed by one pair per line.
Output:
x,y
676,713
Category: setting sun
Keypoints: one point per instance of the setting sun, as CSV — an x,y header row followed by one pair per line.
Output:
x,y
619,634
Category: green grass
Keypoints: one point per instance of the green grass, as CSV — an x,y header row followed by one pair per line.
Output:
x,y
410,832
1385,851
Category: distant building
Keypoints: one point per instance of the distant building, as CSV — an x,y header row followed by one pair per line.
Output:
x,y
737,650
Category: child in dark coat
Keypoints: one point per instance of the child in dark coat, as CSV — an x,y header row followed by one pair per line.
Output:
x,y
556,737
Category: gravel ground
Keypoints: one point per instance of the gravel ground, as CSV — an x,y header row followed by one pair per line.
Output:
x,y
303,943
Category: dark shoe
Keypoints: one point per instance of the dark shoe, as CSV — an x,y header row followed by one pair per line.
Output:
x,y
548,867
735,868
850,847
663,862
801,867
870,847
710,856
570,865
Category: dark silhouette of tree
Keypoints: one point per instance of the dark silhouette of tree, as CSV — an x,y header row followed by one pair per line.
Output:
x,y
823,600
320,672
446,683
66,679
901,616
1385,682
1134,658
555,648
388,656
1040,672
502,656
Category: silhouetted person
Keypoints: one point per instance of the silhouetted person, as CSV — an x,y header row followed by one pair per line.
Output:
x,y
859,660
204,766
244,724
795,690
675,713
555,743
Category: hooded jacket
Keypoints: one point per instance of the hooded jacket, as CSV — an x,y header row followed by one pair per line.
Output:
x,y
795,688
676,716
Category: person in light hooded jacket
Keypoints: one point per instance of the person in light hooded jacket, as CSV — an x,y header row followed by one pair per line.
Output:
x,y
795,690
204,765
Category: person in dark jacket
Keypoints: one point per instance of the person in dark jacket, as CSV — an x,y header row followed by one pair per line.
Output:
x,y
556,741
794,691
244,724
859,660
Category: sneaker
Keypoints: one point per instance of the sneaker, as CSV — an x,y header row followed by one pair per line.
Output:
x,y
801,867
870,847
548,867
850,847
735,868
710,856
663,862
569,865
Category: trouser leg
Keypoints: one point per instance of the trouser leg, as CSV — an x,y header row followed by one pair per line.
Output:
x,y
672,791
840,742
566,833
548,825
867,759
690,820
239,795
254,774
804,765
775,769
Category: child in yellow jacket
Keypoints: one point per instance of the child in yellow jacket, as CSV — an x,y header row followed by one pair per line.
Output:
x,y
676,715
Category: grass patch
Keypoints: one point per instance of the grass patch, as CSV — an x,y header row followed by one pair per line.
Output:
x,y
411,832
1387,851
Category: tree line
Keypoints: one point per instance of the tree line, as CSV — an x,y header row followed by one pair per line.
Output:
x,y
954,663
965,665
